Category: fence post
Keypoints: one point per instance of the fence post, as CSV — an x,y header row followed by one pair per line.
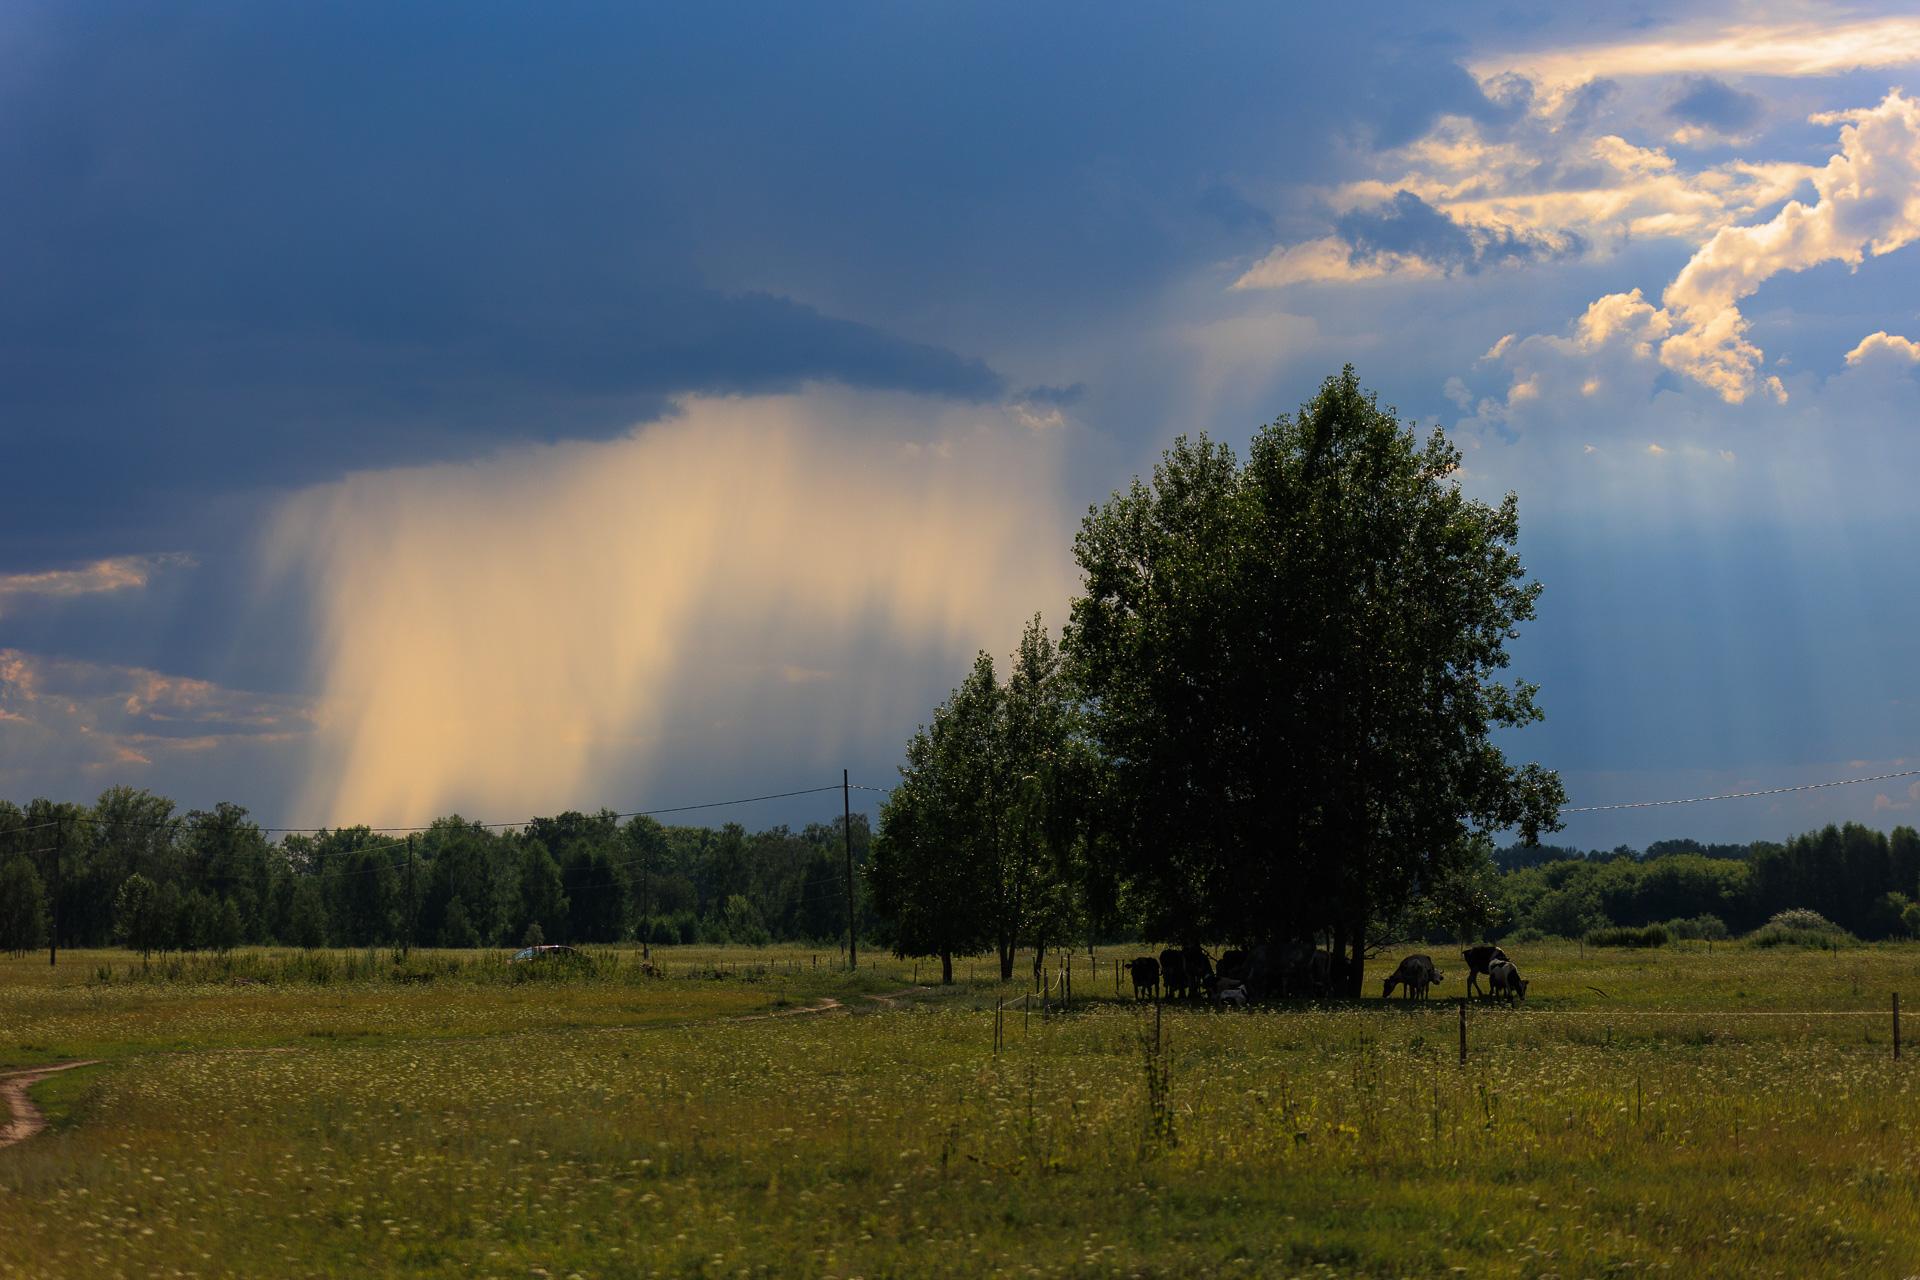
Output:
x,y
1463,1029
1896,1026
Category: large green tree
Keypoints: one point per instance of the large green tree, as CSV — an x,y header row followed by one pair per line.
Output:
x,y
1293,668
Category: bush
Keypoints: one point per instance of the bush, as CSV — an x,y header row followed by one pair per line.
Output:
x,y
1800,927
1706,927
1652,935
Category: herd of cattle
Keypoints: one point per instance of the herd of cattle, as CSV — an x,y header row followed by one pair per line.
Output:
x,y
1189,973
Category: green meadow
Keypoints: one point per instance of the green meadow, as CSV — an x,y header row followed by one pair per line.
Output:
x,y
742,1113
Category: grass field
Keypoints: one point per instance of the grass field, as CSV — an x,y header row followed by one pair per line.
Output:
x,y
1733,1112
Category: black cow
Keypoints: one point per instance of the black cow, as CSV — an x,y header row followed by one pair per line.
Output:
x,y
1480,960
1146,976
1415,974
1182,972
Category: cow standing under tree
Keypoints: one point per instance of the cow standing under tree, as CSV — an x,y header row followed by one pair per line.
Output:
x,y
1145,971
1183,972
1480,960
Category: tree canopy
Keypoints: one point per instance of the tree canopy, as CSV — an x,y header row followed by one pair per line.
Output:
x,y
1292,669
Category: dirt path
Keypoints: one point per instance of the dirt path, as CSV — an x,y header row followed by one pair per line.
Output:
x,y
26,1118
892,998
826,1004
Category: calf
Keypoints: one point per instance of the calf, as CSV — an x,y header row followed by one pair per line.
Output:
x,y
1146,976
1478,958
1506,980
1414,976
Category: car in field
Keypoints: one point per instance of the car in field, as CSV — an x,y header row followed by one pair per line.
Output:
x,y
550,952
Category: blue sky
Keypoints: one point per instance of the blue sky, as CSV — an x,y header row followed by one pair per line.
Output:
x,y
491,409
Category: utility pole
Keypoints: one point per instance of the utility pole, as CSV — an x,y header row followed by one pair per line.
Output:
x,y
412,902
846,809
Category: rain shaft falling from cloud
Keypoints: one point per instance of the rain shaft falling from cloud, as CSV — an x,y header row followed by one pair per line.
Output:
x,y
523,634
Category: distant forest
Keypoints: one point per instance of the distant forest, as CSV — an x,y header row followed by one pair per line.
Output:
x,y
1863,880
216,880
219,881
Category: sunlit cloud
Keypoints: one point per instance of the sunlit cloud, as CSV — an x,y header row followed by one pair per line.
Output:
x,y
116,573
62,715
525,634
1768,49
1885,346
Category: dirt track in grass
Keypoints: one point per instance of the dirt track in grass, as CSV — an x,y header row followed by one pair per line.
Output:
x,y
25,1118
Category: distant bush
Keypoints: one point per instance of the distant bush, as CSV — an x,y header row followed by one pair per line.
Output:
x,y
1800,927
1527,933
1706,927
1652,935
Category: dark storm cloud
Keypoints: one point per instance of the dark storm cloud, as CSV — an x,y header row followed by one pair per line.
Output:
x,y
250,247
1409,225
1716,105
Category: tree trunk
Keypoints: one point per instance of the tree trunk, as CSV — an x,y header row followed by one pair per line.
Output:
x,y
1357,968
946,968
1006,959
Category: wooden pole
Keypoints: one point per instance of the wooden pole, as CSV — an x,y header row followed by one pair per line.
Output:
x,y
1896,1026
846,811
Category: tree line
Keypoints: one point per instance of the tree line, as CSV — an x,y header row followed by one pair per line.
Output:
x,y
211,879
1863,880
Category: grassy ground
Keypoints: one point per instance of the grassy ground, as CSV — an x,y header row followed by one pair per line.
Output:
x,y
1681,1112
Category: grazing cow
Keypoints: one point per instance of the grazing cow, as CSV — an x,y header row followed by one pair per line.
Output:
x,y
1146,976
1478,959
1505,978
1230,991
1414,976
1183,972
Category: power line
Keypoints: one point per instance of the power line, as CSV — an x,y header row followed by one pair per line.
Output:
x,y
1742,795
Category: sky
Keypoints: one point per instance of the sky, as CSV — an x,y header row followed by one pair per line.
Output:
x,y
499,409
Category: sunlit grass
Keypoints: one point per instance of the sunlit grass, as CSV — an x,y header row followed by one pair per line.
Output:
x,y
628,1125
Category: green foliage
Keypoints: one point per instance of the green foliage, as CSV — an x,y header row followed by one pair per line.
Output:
x,y
23,906
456,930
983,841
1292,668
139,918
1651,935
1800,927
1701,928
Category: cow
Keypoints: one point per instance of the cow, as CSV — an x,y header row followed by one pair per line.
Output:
x,y
1146,976
1414,975
1182,972
1230,991
1504,976
1478,958
1235,964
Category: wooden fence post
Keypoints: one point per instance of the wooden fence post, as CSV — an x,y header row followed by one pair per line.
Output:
x,y
1896,1026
